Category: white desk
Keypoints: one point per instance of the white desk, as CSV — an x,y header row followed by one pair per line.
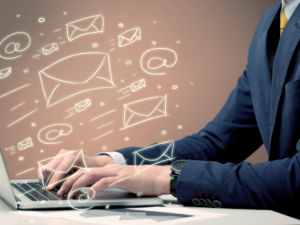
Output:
x,y
229,216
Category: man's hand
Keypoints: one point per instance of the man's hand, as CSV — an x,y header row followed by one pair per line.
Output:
x,y
63,162
147,180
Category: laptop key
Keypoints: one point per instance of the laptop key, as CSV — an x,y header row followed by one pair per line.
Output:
x,y
48,194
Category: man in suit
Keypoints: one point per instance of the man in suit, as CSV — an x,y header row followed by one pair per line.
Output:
x,y
264,108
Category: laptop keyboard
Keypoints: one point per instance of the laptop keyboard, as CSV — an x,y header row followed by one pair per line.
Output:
x,y
35,192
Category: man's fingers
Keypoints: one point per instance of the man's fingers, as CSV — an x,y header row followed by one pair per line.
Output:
x,y
68,183
60,172
103,184
43,171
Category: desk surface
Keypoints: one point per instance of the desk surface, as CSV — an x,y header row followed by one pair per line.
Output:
x,y
223,216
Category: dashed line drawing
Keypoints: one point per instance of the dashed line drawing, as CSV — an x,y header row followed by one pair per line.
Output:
x,y
5,72
97,76
12,45
102,135
25,144
105,125
161,57
50,134
14,90
78,163
102,115
37,56
111,40
144,110
79,107
125,92
129,37
124,96
25,171
140,156
85,26
12,150
21,118
56,30
50,48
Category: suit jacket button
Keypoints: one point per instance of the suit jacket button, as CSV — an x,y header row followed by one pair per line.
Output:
x,y
217,204
209,203
203,202
196,201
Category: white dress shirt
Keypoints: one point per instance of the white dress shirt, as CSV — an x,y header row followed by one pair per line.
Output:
x,y
289,7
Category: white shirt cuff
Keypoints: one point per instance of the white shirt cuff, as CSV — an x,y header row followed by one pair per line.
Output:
x,y
117,157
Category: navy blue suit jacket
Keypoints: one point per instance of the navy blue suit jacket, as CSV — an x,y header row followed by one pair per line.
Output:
x,y
264,108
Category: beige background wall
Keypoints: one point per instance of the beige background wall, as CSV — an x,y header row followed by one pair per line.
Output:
x,y
210,38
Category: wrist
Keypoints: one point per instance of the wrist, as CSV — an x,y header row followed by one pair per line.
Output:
x,y
163,181
103,160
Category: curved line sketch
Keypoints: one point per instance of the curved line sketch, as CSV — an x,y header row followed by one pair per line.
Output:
x,y
53,132
152,65
13,49
85,26
81,197
5,72
92,79
132,117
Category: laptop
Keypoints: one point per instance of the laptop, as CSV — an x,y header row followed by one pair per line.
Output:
x,y
30,194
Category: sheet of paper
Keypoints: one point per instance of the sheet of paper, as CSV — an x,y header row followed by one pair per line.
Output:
x,y
172,214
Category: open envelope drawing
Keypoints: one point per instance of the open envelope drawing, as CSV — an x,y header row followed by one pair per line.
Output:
x,y
75,74
82,105
67,173
50,48
130,36
5,72
141,156
143,110
85,26
137,85
25,144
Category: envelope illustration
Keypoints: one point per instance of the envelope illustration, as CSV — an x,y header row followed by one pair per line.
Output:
x,y
144,110
130,36
48,172
50,48
137,85
25,144
5,72
83,105
142,156
85,26
74,75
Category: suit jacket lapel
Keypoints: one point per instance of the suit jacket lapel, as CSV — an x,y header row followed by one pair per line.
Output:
x,y
286,47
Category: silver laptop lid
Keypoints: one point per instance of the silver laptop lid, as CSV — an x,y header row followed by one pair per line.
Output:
x,y
6,192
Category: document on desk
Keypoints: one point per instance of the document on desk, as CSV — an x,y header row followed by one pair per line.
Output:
x,y
172,214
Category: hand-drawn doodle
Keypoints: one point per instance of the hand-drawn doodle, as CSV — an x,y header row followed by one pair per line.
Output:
x,y
52,134
144,110
152,60
60,81
14,44
129,37
85,26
